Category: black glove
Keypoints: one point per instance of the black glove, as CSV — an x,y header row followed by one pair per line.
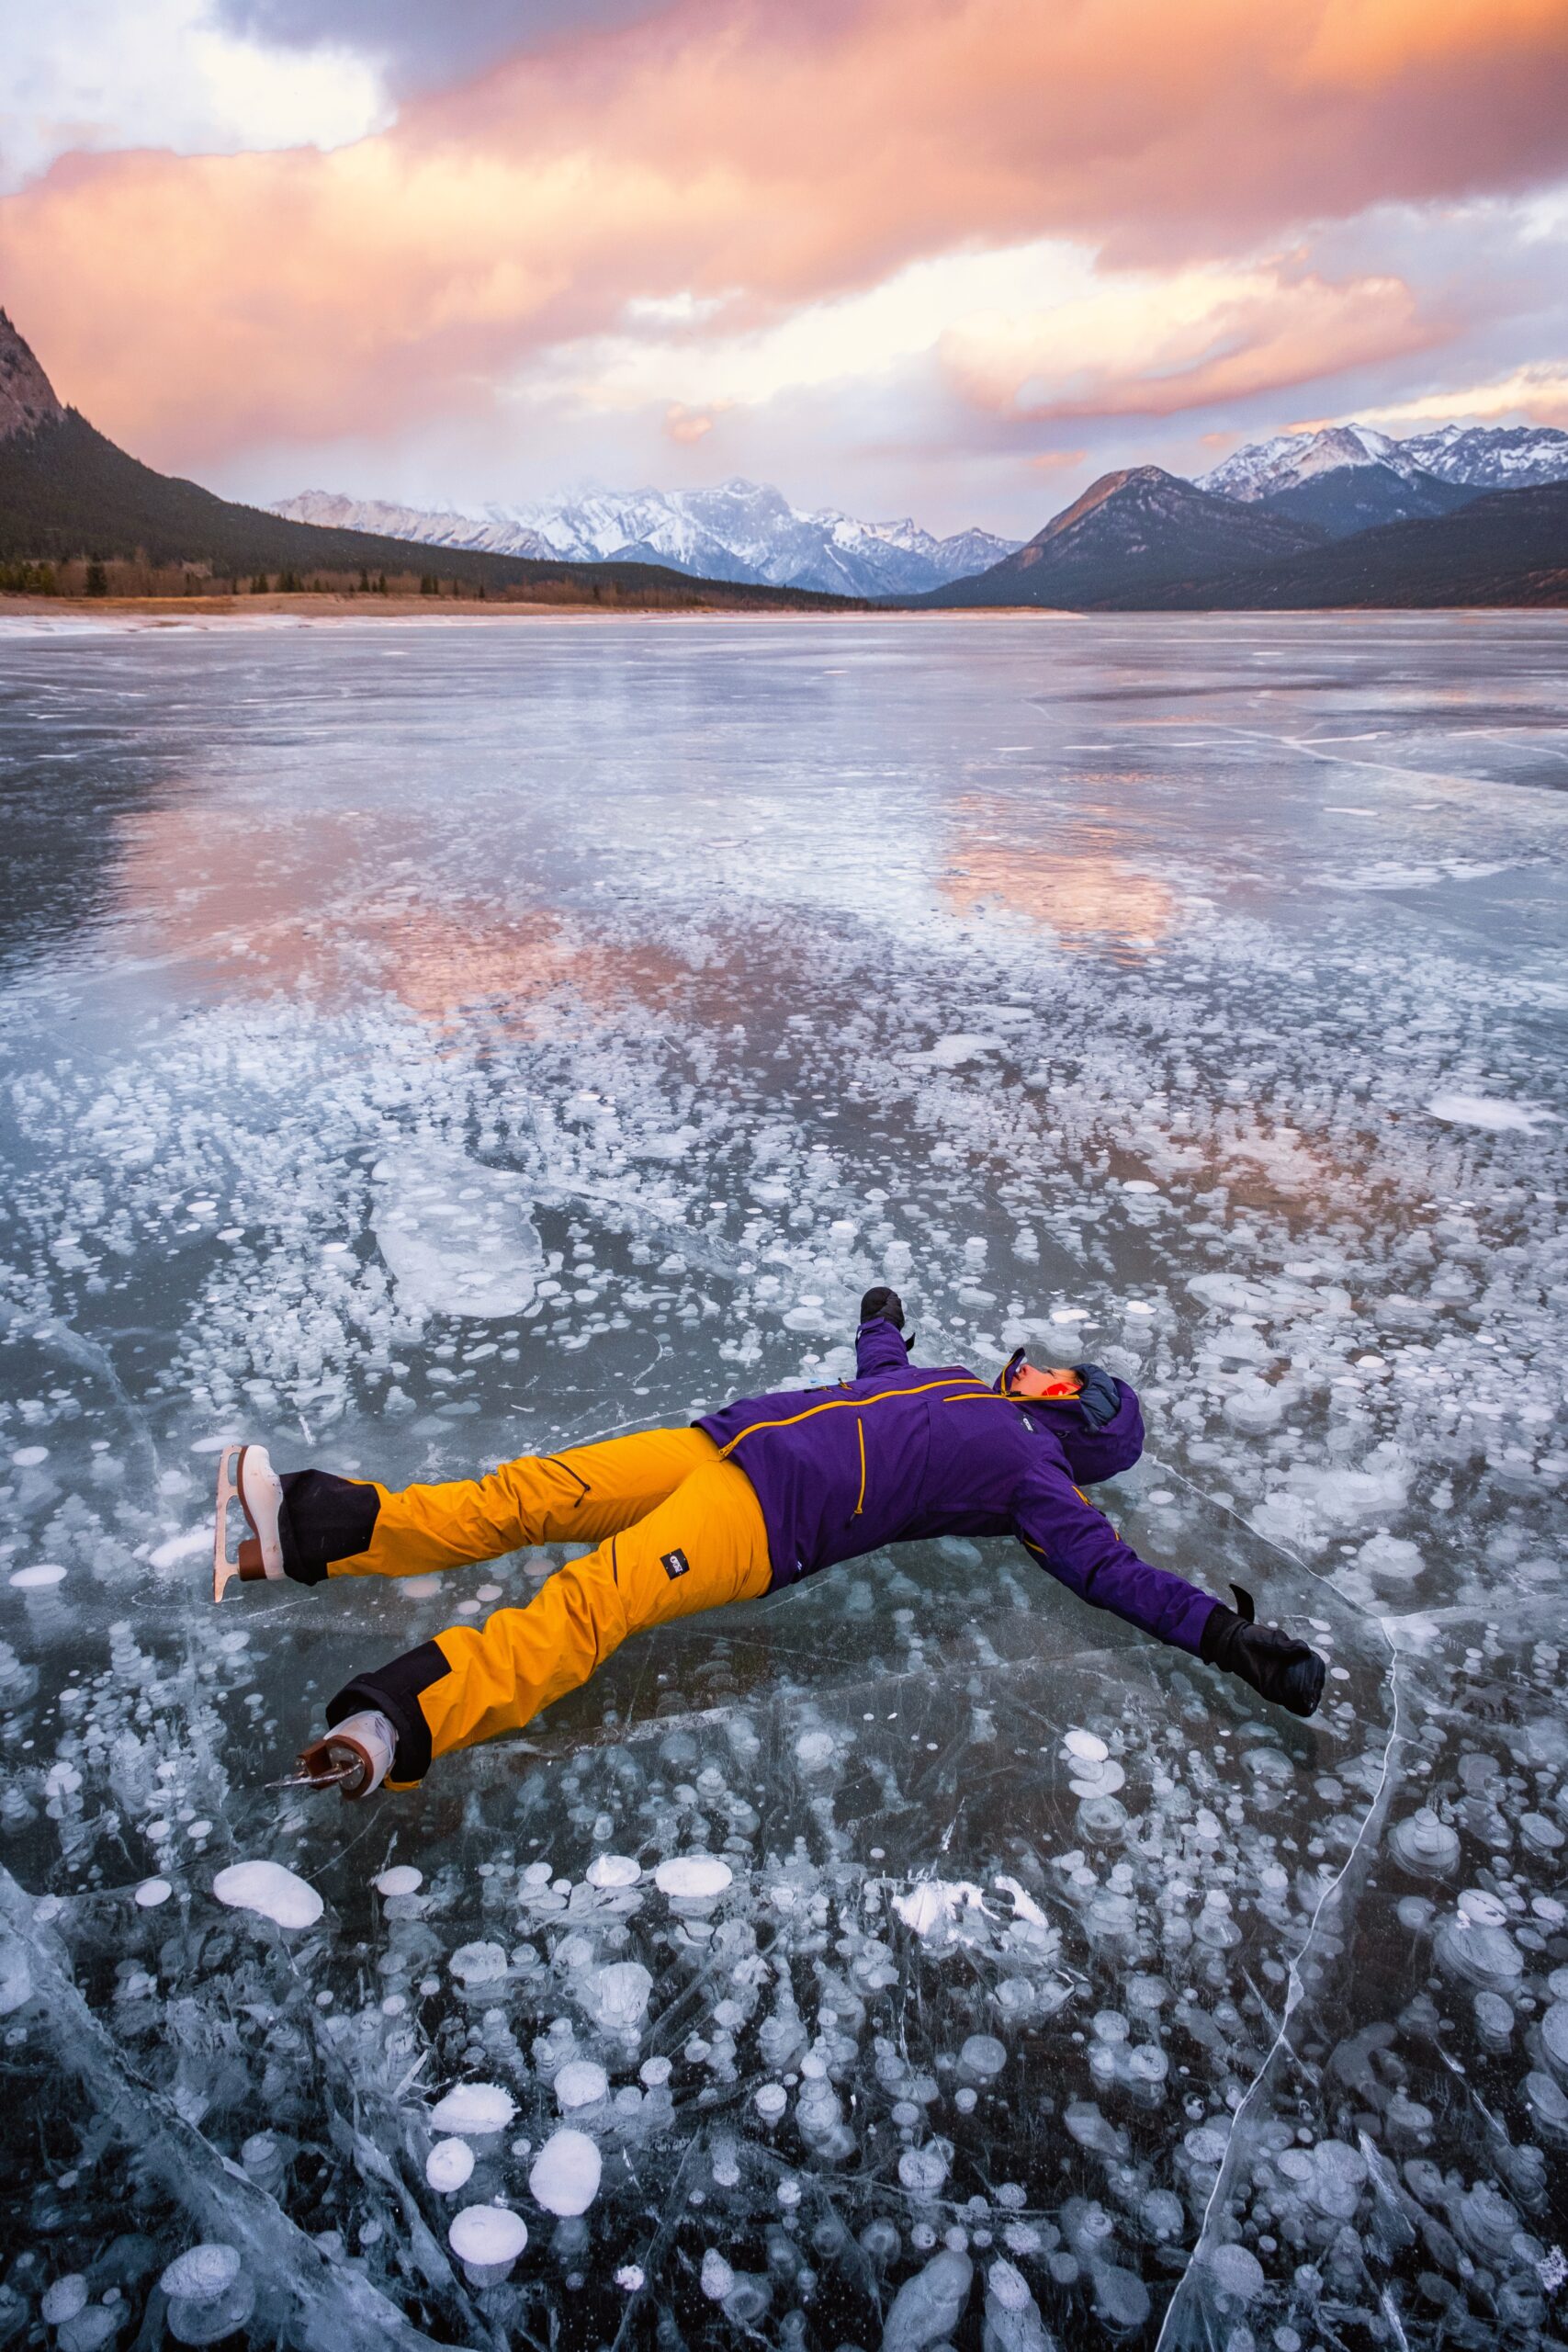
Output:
x,y
885,1305
1099,1397
1290,1672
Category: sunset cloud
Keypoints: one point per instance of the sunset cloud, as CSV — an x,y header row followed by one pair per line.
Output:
x,y
1151,348
1537,393
676,208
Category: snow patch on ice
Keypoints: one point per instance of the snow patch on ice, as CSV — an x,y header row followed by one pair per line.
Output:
x,y
271,1891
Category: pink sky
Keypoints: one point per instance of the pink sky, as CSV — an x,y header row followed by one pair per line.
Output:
x,y
953,256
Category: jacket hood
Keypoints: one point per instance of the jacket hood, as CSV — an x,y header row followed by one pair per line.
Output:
x,y
1095,1453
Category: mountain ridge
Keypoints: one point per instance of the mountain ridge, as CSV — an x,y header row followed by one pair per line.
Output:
x,y
1139,517
1480,456
738,530
1505,546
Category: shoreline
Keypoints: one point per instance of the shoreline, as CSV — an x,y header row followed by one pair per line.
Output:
x,y
306,606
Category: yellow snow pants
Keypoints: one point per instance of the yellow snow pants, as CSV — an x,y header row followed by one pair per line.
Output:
x,y
677,1531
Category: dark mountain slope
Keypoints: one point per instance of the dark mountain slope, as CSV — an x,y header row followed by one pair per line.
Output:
x,y
1509,547
1130,531
1358,497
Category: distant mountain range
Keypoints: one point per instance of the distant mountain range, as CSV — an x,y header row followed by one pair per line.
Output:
x,y
740,531
1347,515
1344,516
1140,535
1478,457
1350,478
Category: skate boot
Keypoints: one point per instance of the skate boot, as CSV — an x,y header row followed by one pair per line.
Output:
x,y
354,1757
245,1476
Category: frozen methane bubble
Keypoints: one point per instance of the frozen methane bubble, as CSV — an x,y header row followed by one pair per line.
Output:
x,y
1012,2316
1085,1746
151,1892
475,1965
617,1995
449,2166
64,2299
476,2109
209,2295
983,2056
614,1869
271,1891
694,1878
15,1974
42,1578
929,2306
923,2170
456,1236
487,2241
401,1879
813,1749
1474,1945
1236,2272
1554,2035
582,2082
565,2174
718,2279
1494,2019
1424,1844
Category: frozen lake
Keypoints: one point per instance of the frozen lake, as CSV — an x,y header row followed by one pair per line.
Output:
x,y
431,1042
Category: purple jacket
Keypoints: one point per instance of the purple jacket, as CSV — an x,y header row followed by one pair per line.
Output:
x,y
902,1453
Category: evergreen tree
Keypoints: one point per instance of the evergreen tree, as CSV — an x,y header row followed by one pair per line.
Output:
x,y
97,578
258,585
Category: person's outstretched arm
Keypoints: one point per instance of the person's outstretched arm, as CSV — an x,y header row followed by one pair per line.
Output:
x,y
880,1344
1078,1545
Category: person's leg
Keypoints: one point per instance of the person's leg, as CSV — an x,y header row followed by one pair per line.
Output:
x,y
329,1526
706,1545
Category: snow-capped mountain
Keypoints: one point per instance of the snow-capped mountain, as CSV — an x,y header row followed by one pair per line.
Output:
x,y
741,530
1288,459
1491,457
1480,456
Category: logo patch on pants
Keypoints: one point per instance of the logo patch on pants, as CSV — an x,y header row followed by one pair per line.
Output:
x,y
675,1564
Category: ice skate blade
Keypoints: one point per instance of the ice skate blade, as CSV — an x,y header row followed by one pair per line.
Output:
x,y
342,1776
224,1569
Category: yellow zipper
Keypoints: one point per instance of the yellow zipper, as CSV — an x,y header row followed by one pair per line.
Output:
x,y
859,1433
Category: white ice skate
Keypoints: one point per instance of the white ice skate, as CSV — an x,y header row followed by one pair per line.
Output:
x,y
246,1476
354,1756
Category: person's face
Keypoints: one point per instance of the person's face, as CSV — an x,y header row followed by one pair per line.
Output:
x,y
1028,1380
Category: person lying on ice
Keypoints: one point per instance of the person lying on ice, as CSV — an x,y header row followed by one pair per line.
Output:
x,y
758,1495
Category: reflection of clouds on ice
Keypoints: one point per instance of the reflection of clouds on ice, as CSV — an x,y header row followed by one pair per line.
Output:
x,y
919,1954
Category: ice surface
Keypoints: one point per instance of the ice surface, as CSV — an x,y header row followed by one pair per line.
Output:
x,y
559,1073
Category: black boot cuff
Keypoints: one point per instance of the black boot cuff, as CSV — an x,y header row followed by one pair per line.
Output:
x,y
394,1689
